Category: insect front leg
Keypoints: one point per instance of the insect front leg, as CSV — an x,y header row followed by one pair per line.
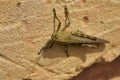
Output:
x,y
48,45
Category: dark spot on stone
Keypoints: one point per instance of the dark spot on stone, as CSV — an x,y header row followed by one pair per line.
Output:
x,y
85,19
101,22
27,79
113,45
83,1
18,4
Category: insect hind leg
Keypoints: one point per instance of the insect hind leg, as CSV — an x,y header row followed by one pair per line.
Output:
x,y
90,45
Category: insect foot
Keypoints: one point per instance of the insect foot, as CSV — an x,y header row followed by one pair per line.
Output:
x,y
48,45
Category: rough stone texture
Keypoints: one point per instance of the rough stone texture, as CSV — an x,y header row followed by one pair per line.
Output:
x,y
26,25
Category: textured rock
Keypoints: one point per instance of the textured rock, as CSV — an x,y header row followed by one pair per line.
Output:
x,y
26,25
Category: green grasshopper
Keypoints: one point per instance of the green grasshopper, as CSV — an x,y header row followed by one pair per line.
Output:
x,y
70,37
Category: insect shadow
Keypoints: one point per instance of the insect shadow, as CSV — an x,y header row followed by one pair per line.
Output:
x,y
70,43
57,51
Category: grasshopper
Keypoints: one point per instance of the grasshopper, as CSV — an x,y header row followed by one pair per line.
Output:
x,y
70,37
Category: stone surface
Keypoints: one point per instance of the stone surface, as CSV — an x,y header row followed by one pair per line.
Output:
x,y
26,25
